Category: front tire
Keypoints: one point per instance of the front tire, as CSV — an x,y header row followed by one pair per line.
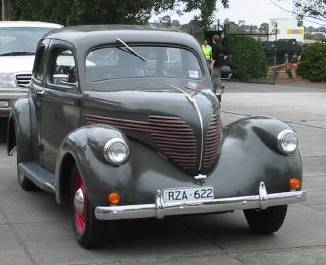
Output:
x,y
88,230
266,221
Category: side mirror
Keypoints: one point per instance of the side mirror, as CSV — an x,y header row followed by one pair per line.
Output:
x,y
62,79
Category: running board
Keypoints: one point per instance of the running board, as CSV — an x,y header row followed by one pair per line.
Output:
x,y
38,175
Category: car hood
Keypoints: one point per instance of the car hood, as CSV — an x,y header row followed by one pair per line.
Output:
x,y
176,121
16,64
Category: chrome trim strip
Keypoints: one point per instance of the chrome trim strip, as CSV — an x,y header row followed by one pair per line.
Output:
x,y
159,209
202,133
194,103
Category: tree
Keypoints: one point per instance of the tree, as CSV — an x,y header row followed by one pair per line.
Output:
x,y
264,28
311,8
176,23
248,58
312,65
207,8
73,12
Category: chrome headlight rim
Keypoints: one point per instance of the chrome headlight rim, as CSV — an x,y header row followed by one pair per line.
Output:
x,y
280,138
107,147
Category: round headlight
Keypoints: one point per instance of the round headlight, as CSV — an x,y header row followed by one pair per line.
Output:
x,y
116,151
287,142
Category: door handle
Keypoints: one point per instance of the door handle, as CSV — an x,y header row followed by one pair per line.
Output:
x,y
40,92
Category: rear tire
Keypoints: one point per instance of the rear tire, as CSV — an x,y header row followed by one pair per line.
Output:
x,y
89,231
266,221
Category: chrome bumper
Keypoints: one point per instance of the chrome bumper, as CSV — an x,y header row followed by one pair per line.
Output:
x,y
161,209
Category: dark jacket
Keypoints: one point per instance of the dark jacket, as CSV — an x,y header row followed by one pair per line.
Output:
x,y
218,52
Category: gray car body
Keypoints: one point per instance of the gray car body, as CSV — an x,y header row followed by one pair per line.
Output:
x,y
57,134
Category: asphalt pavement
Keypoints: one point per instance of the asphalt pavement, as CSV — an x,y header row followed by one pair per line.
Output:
x,y
34,230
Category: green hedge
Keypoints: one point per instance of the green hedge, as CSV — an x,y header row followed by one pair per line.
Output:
x,y
248,58
312,64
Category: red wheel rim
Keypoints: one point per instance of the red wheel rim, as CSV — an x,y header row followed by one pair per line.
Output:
x,y
80,216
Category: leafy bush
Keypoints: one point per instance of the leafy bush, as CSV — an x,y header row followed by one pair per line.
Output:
x,y
248,58
312,65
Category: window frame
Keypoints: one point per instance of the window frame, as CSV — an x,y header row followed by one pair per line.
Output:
x,y
61,45
147,44
40,62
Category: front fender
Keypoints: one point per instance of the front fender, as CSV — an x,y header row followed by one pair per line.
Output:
x,y
250,155
86,146
19,130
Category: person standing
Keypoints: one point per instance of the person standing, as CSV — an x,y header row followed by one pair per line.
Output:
x,y
218,54
207,50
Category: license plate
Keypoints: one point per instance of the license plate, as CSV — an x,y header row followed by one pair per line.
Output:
x,y
188,194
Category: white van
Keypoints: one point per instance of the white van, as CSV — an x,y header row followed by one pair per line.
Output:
x,y
18,41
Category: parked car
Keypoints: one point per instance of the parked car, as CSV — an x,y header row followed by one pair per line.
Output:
x,y
121,122
18,41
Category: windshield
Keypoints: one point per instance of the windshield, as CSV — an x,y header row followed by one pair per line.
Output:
x,y
120,62
20,40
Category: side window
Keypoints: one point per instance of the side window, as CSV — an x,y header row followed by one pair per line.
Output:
x,y
64,70
39,63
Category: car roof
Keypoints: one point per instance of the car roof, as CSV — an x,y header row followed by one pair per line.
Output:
x,y
88,36
29,24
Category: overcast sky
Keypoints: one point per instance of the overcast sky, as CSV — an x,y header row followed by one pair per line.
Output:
x,y
252,11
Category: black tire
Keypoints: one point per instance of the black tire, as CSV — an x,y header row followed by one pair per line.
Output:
x,y
266,221
91,232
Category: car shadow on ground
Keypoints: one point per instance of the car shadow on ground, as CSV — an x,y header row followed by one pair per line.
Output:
x,y
140,236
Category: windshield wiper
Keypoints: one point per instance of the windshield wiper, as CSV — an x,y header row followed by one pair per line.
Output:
x,y
130,50
17,53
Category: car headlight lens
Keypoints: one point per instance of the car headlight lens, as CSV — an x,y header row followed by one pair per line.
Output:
x,y
116,151
7,80
287,142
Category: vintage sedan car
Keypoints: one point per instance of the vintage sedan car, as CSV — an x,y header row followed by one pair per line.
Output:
x,y
121,122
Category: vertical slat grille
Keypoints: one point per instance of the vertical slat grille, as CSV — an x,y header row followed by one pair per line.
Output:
x,y
173,136
179,145
23,80
213,142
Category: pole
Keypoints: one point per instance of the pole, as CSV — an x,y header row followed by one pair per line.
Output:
x,y
5,10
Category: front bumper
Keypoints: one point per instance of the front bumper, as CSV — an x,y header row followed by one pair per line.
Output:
x,y
161,209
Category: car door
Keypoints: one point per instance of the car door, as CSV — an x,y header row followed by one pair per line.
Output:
x,y
59,103
36,91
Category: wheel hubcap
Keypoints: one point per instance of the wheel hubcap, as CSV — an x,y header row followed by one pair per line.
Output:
x,y
79,201
80,205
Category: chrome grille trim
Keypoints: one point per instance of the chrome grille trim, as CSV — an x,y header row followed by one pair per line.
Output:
x,y
23,79
213,142
194,103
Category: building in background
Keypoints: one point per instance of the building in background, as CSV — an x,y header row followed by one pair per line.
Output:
x,y
287,28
